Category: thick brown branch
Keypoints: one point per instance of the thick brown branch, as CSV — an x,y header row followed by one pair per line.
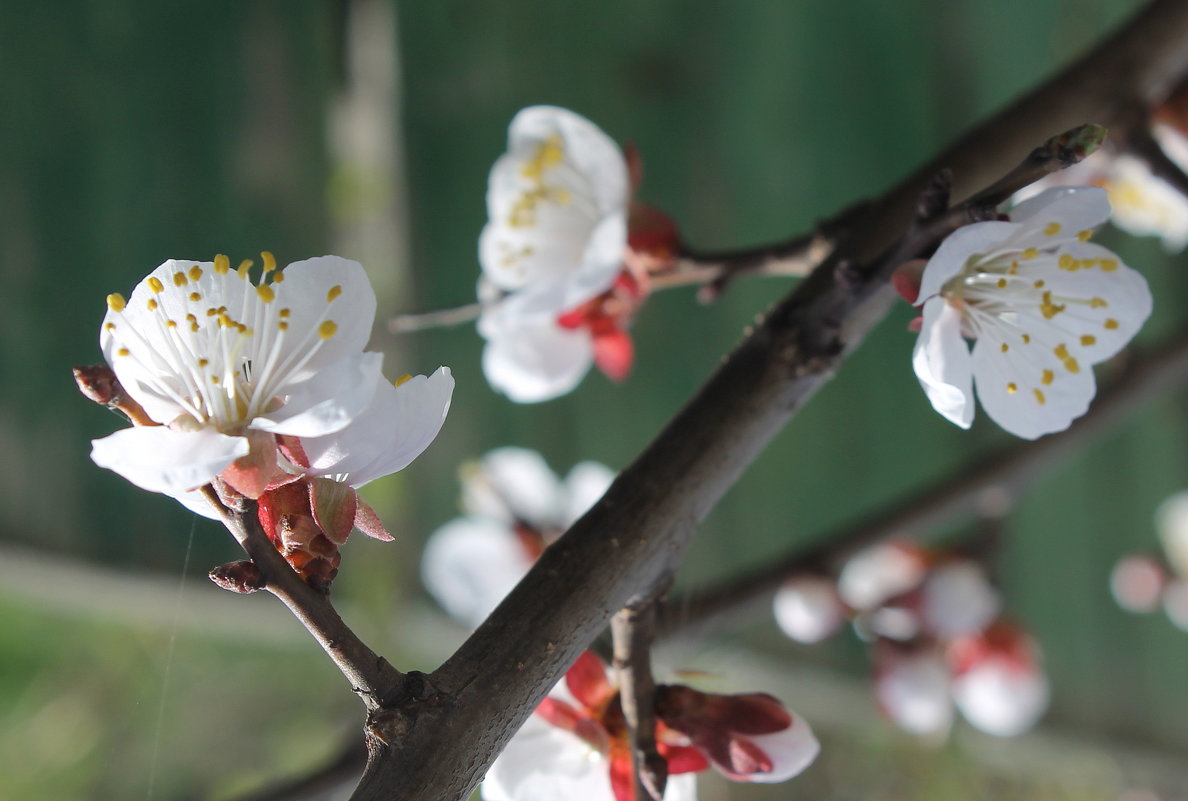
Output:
x,y
374,680
988,485
439,746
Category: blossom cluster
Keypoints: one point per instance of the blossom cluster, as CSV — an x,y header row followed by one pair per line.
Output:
x,y
566,252
576,746
265,389
938,639
515,506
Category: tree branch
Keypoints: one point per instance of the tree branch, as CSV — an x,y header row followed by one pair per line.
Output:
x,y
633,630
990,484
374,680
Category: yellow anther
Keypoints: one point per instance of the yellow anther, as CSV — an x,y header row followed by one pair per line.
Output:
x,y
1084,235
1005,347
244,267
327,329
123,352
269,260
1048,377
154,283
280,276
265,292
1027,339
110,326
403,379
1097,303
1039,284
1030,253
549,153
1067,262
116,302
171,324
285,312
334,292
195,297
1012,388
212,311
214,379
1088,339
195,273
1108,265
151,304
1014,270
191,318
1072,365
1039,397
194,327
1052,229
1002,283
1061,352
222,264
1111,324
282,325
179,279
1048,308
203,362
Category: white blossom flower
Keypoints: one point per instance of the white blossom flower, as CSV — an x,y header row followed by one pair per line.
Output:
x,y
225,366
515,507
1043,304
998,684
558,204
880,572
957,598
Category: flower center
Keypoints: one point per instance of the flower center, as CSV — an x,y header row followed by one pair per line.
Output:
x,y
215,343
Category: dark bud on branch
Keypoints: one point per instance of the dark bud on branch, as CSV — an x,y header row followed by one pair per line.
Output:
x,y
242,577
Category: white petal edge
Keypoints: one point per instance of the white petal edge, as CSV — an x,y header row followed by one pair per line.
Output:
x,y
159,459
957,249
545,763
586,483
537,362
389,434
942,363
791,751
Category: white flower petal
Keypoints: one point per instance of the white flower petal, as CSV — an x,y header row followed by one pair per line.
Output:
x,y
514,484
394,429
1146,205
1059,215
470,565
586,483
957,249
913,691
327,401
942,363
159,459
1171,523
791,751
1001,698
308,290
959,599
808,608
537,361
545,763
601,261
879,573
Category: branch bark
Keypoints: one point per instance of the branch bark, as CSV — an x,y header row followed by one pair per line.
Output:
x,y
438,743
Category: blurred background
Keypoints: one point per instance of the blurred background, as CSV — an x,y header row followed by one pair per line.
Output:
x,y
137,131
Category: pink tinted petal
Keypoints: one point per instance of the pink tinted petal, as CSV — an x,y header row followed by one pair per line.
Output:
x,y
334,506
367,521
788,752
159,459
537,361
587,681
683,758
614,354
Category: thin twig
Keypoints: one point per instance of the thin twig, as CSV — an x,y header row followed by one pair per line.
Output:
x,y
374,680
442,318
633,630
1143,144
988,485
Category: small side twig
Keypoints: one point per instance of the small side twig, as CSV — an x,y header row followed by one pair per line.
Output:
x,y
372,678
442,318
633,630
1143,144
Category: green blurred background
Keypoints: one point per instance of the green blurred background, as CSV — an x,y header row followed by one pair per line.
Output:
x,y
138,130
